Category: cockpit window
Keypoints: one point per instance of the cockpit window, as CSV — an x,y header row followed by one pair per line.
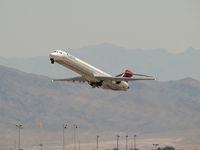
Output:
x,y
58,51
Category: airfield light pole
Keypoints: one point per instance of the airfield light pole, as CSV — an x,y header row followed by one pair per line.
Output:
x,y
64,126
19,127
131,144
75,127
135,142
118,142
41,146
126,142
79,141
97,142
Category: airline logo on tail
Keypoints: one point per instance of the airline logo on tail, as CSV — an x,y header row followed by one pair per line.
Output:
x,y
127,73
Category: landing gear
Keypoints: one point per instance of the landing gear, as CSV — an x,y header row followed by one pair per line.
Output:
x,y
118,82
95,84
52,60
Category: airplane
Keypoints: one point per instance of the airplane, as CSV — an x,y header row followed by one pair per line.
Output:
x,y
95,77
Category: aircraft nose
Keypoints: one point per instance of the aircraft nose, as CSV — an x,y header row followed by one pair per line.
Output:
x,y
51,55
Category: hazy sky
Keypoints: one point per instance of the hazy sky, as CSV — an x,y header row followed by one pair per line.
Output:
x,y
35,27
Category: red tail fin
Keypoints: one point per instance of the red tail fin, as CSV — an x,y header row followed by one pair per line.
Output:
x,y
126,73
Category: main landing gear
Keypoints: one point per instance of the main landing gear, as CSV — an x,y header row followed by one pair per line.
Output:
x,y
52,60
95,84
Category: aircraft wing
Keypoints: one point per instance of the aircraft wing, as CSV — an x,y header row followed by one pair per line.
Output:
x,y
73,79
104,78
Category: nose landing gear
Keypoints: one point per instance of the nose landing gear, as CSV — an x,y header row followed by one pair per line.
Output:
x,y
52,60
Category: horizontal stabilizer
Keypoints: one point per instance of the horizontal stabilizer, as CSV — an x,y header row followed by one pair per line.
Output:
x,y
129,73
103,78
142,75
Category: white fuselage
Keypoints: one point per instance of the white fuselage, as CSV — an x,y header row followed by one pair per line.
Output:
x,y
86,70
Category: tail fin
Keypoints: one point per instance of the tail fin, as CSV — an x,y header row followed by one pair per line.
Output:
x,y
126,73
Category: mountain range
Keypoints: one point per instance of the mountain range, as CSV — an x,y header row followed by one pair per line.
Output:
x,y
115,59
148,107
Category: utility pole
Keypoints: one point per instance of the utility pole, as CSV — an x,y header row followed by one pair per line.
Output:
x,y
19,127
131,144
126,142
118,142
64,126
135,142
41,146
75,127
97,142
79,142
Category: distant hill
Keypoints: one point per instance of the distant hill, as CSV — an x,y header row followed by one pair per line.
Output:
x,y
114,59
148,107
